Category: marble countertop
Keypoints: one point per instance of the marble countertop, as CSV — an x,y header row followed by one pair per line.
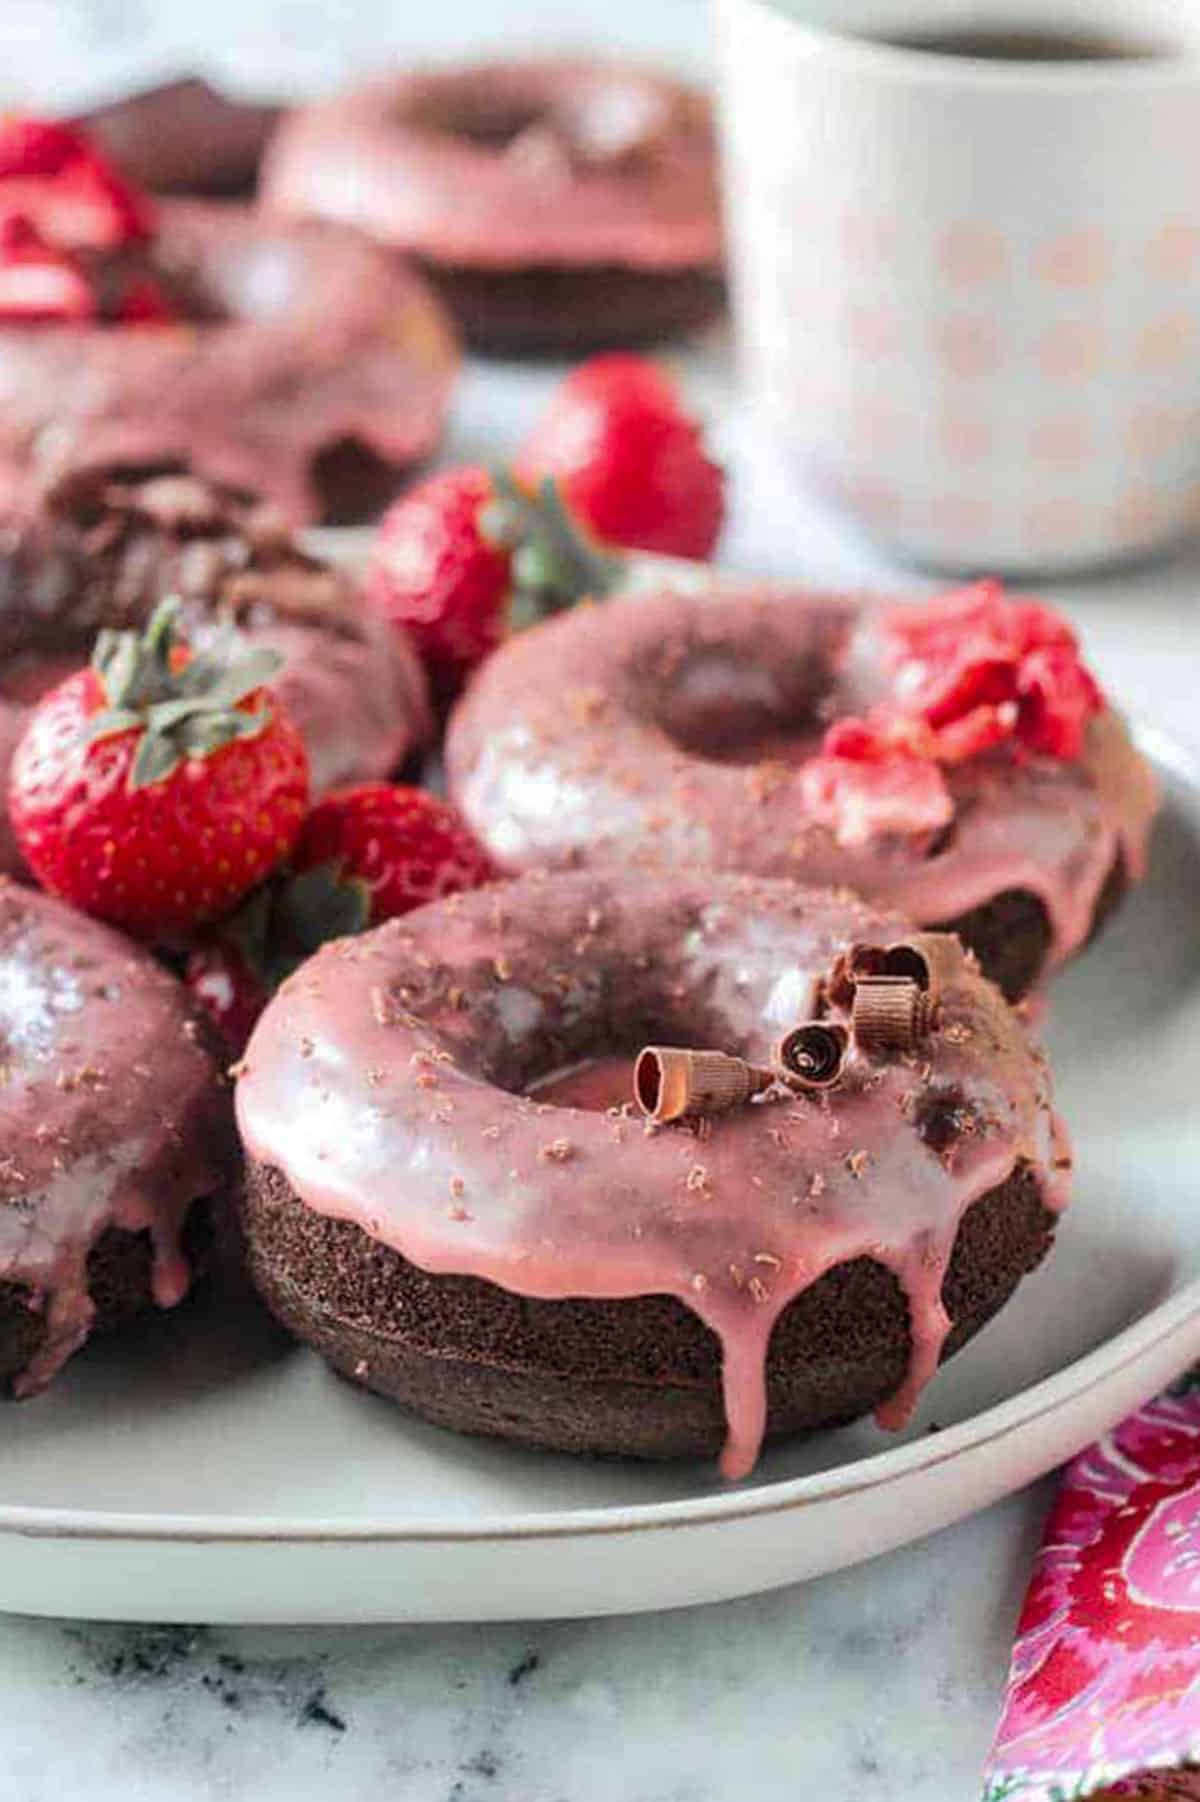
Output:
x,y
878,1685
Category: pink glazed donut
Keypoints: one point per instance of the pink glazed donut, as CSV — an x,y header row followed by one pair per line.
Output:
x,y
557,205
115,1135
451,1195
681,729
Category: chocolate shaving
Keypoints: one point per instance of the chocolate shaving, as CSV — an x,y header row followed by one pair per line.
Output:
x,y
811,1056
673,1084
890,1013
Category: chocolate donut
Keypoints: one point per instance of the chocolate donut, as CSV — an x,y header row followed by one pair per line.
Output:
x,y
114,1128
184,137
103,552
312,369
447,1198
558,205
677,728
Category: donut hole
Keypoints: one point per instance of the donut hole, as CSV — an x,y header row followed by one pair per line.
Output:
x,y
725,708
579,1048
594,119
609,1072
353,481
480,113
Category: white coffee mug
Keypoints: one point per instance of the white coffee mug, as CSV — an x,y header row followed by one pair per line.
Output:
x,y
968,289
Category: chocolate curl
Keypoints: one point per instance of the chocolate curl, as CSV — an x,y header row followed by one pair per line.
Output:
x,y
927,957
890,1013
669,1084
811,1056
924,958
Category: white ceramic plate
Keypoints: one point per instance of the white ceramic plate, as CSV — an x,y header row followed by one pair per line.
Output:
x,y
201,1468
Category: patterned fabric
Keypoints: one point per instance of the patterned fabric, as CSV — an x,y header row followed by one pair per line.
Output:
x,y
1104,1689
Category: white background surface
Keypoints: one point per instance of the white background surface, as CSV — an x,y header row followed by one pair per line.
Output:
x,y
875,1686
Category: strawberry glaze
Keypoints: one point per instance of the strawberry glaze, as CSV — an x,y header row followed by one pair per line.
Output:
x,y
389,1080
681,729
111,1114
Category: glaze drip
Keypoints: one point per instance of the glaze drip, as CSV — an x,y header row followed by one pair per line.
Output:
x,y
111,1115
387,1081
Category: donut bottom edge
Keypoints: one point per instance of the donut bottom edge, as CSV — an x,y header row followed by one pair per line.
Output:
x,y
548,310
119,1271
633,1378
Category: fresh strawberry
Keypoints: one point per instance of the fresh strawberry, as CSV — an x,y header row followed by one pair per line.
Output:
x,y
223,984
54,176
364,855
398,847
466,555
39,284
155,788
629,459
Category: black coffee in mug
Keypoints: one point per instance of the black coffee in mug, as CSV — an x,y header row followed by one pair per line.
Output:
x,y
1024,43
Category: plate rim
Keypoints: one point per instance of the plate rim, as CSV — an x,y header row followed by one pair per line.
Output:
x,y
876,1469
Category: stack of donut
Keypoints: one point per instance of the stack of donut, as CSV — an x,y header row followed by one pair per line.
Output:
x,y
715,1117
514,1238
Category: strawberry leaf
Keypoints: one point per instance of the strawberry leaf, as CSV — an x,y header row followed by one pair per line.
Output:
x,y
554,564
293,915
186,706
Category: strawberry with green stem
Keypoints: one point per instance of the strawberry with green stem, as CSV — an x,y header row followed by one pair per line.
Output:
x,y
156,787
469,555
365,854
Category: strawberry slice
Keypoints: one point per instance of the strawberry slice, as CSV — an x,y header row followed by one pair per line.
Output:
x,y
981,669
38,146
976,732
1058,696
933,630
87,206
51,174
860,798
39,284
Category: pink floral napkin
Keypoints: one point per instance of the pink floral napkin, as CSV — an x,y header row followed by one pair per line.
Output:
x,y
1103,1696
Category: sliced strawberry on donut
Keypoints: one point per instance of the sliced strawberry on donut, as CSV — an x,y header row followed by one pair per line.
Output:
x,y
88,206
467,555
876,776
364,855
53,175
155,788
39,284
981,669
1057,695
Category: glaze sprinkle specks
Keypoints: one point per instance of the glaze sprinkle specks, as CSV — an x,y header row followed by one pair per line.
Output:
x,y
389,1082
